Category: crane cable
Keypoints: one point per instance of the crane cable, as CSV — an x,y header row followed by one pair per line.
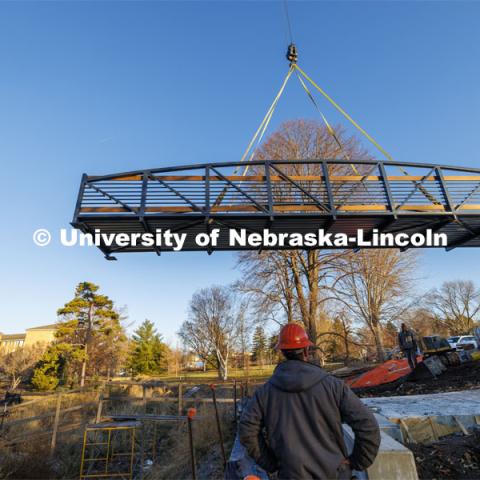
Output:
x,y
293,63
329,127
287,18
257,137
251,149
422,189
345,114
333,134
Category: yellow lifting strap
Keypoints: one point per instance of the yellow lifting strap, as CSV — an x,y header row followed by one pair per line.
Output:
x,y
425,192
329,127
344,113
257,138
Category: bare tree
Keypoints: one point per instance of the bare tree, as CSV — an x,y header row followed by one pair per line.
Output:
x,y
375,285
245,325
174,359
19,364
457,305
345,331
212,325
197,340
293,285
268,280
424,321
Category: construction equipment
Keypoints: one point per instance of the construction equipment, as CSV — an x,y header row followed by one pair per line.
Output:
x,y
438,355
292,55
109,450
435,345
438,346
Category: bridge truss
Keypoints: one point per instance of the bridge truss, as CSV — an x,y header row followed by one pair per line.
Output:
x,y
283,196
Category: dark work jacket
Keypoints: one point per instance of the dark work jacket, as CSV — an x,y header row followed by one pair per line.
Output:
x,y
406,340
293,425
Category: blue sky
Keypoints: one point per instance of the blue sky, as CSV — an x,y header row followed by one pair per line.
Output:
x,y
101,87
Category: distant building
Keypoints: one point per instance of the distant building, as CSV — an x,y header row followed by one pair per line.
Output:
x,y
35,335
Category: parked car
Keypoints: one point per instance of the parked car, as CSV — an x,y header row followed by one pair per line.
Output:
x,y
467,340
460,341
453,341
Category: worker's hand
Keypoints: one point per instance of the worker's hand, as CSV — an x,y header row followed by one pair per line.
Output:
x,y
347,462
344,467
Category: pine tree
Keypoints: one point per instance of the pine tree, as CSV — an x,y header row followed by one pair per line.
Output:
x,y
259,349
89,333
149,353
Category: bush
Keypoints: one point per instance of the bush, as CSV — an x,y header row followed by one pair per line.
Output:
x,y
43,381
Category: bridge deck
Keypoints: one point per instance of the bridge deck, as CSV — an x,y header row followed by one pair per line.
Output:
x,y
284,196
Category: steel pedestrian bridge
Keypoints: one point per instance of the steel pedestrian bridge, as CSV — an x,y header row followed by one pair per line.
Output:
x,y
284,196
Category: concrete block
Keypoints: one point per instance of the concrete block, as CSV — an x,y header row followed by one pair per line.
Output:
x,y
390,428
394,461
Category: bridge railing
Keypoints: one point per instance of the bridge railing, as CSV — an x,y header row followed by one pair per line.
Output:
x,y
275,188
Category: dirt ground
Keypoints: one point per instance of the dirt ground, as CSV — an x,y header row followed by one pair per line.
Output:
x,y
452,457
462,377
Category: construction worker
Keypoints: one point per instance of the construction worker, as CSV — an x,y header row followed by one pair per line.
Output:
x,y
293,423
408,345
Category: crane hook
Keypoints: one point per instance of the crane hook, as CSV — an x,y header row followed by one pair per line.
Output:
x,y
292,55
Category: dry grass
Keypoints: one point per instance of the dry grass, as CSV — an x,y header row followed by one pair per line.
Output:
x,y
174,459
31,460
166,444
29,457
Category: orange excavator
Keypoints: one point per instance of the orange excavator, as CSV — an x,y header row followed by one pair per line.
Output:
x,y
437,355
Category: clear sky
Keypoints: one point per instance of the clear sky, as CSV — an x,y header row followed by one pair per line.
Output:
x,y
104,87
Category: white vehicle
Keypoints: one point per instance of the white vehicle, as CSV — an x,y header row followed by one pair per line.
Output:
x,y
458,342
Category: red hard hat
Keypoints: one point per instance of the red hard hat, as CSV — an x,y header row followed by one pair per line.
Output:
x,y
293,337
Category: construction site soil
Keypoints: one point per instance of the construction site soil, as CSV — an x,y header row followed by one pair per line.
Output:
x,y
462,377
452,457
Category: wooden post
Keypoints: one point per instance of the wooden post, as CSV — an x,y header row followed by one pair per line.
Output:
x,y
461,425
142,451
434,430
407,431
144,398
56,422
99,408
180,398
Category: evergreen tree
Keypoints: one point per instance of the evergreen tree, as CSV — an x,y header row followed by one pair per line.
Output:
x,y
149,353
274,355
259,349
89,333
57,366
